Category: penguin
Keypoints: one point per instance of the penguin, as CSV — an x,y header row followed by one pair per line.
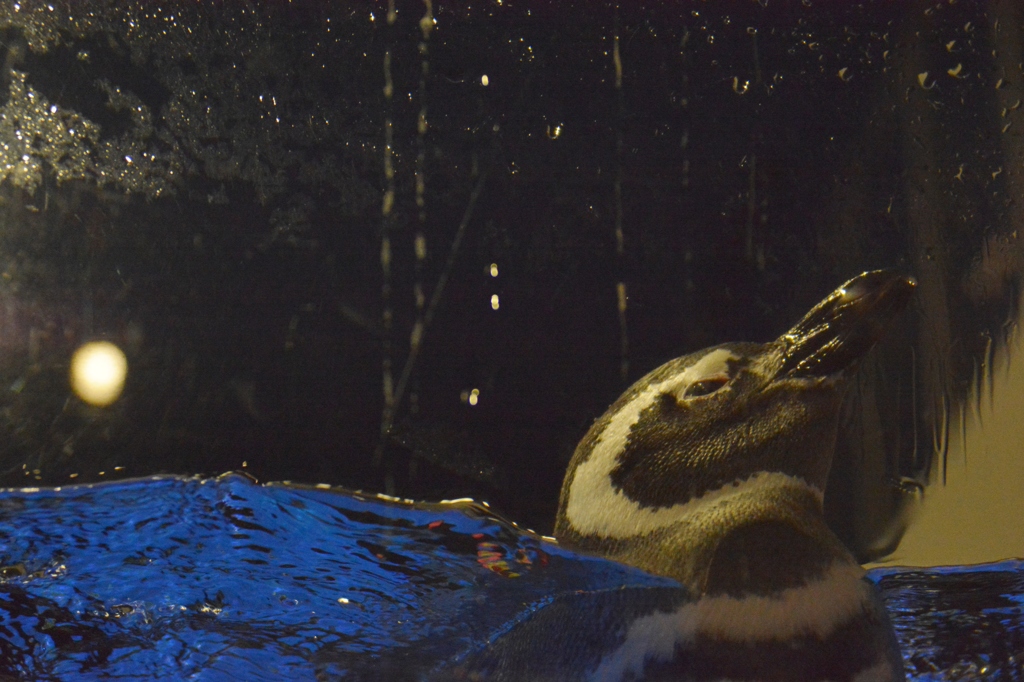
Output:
x,y
711,471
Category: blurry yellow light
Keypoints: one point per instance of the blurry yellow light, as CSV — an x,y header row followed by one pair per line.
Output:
x,y
494,269
494,302
98,370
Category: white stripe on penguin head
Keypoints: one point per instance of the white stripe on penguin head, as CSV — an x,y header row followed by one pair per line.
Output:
x,y
595,507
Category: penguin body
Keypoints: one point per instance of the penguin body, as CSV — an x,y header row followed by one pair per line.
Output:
x,y
711,471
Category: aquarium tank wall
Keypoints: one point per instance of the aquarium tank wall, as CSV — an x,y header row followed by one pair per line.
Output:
x,y
417,248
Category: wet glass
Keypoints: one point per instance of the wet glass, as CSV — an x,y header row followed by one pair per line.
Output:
x,y
418,248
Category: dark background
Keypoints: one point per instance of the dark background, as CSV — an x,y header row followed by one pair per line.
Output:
x,y
753,155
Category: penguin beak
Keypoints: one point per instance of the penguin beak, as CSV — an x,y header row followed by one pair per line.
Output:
x,y
843,328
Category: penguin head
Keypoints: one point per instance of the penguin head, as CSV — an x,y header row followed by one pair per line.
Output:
x,y
740,416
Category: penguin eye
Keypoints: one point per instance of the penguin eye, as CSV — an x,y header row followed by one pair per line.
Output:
x,y
705,387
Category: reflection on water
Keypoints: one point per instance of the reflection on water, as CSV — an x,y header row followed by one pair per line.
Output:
x,y
958,623
166,578
172,577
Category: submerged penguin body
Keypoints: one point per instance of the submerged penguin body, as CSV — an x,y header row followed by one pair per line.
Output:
x,y
711,471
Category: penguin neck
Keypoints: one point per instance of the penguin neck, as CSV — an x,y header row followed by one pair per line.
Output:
x,y
747,540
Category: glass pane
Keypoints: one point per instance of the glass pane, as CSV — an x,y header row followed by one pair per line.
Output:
x,y
419,248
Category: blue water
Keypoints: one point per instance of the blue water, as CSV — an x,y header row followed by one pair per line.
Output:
x,y
174,578
959,622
